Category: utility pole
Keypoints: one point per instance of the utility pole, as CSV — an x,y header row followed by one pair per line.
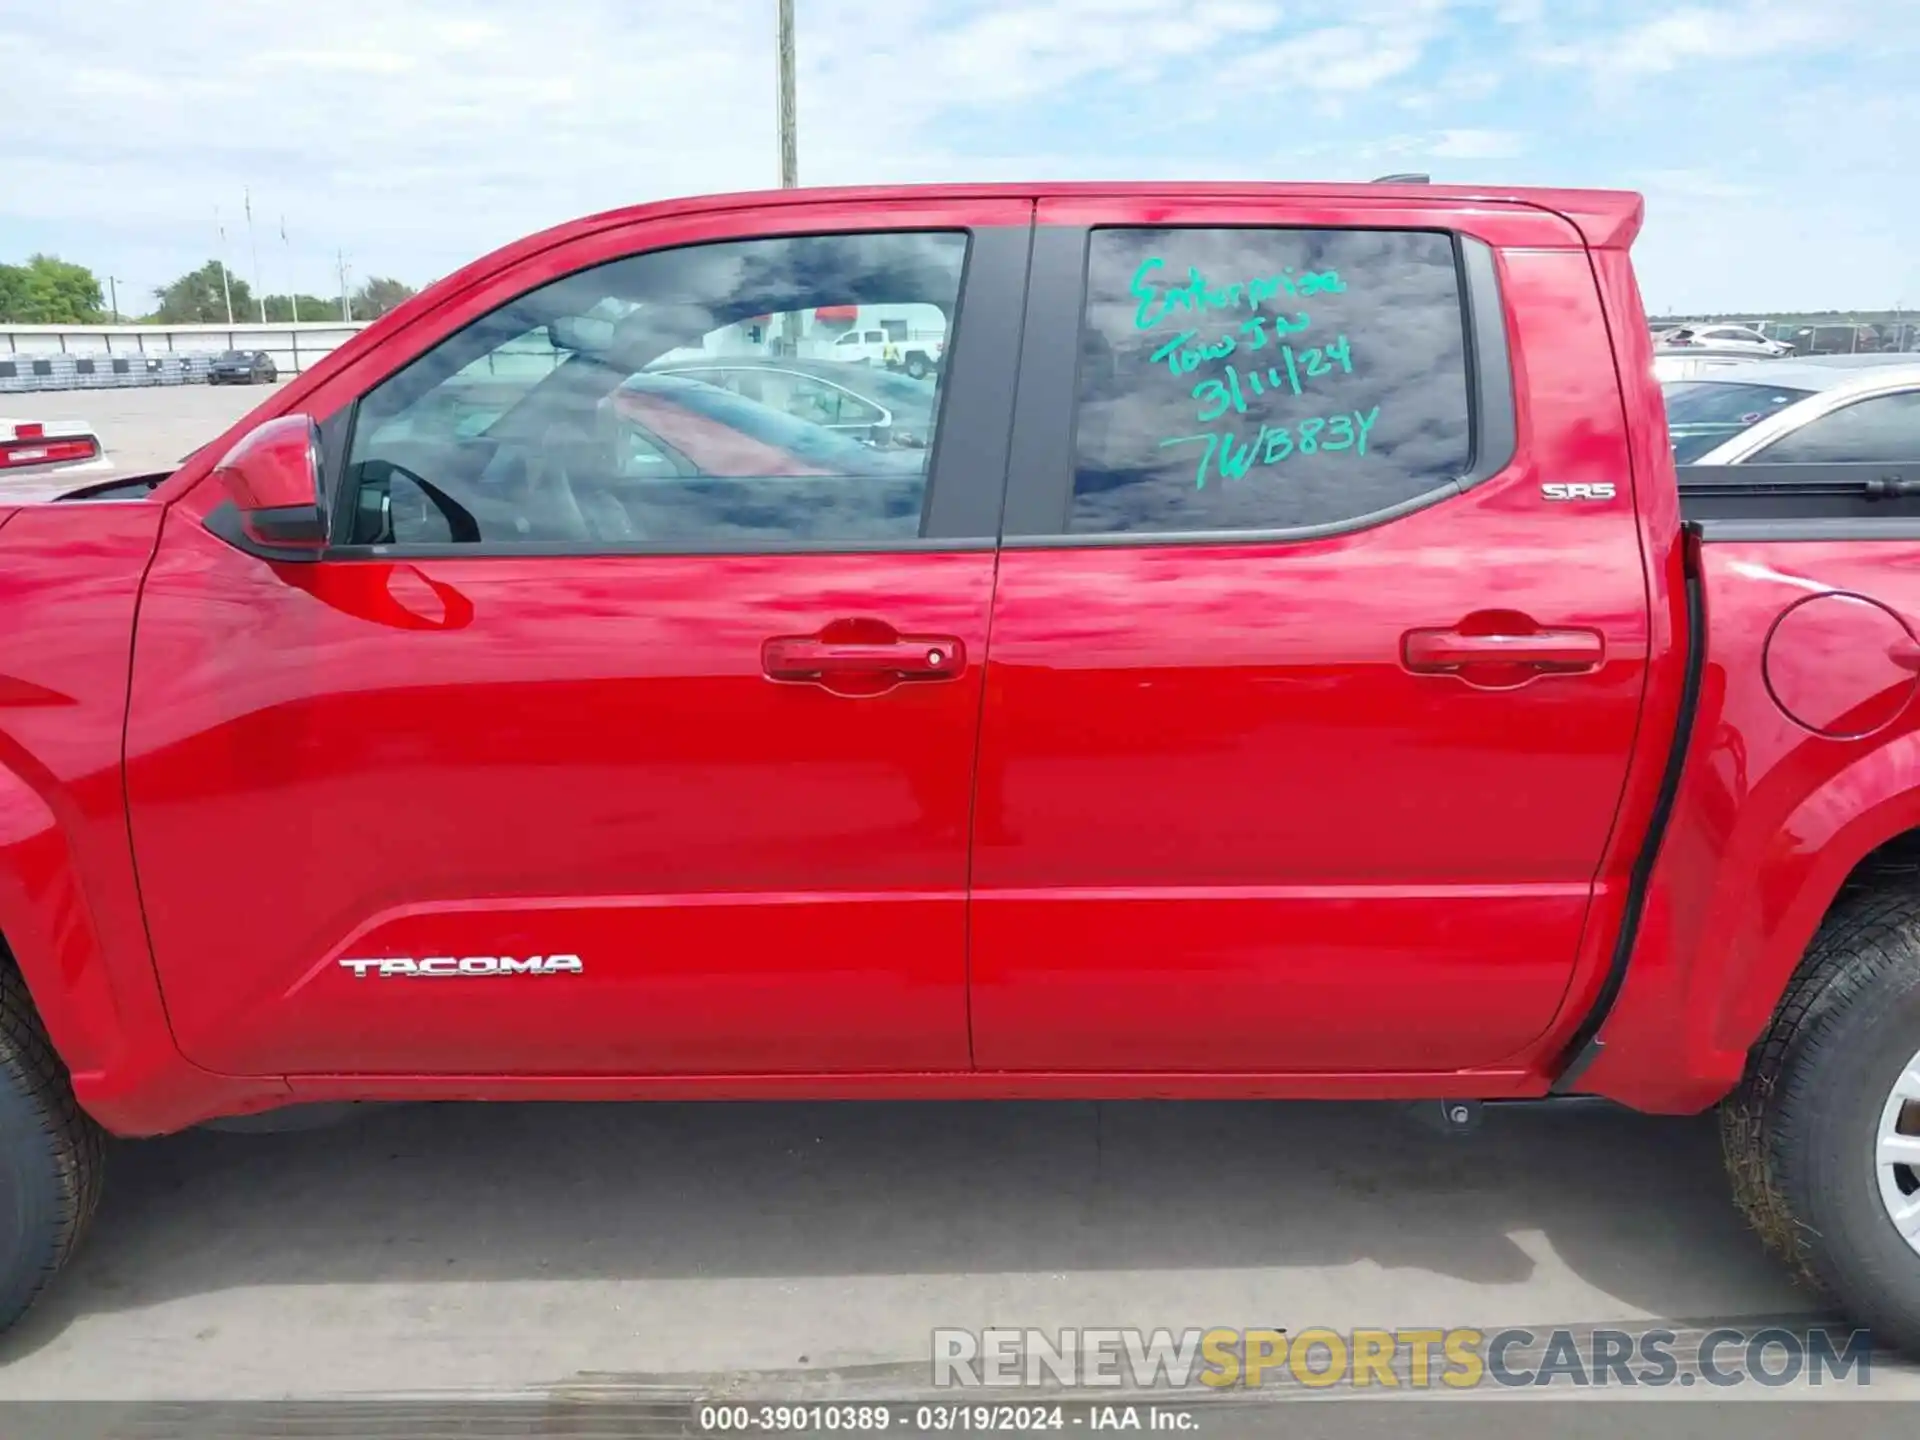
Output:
x,y
226,286
789,145
254,245
293,291
113,297
789,148
346,305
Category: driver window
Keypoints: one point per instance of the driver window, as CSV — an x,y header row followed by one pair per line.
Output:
x,y
697,397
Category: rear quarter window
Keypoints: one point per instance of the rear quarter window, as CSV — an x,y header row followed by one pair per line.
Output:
x,y
1250,380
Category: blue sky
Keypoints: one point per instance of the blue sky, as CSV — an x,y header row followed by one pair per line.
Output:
x,y
1777,141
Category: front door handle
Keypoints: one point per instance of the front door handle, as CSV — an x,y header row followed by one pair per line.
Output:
x,y
909,657
1551,652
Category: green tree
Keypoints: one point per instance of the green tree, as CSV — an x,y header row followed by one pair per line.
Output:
x,y
197,298
49,291
280,308
378,296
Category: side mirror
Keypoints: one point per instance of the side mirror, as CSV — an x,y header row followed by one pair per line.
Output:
x,y
272,479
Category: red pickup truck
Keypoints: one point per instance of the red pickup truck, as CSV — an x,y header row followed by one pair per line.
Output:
x,y
1277,661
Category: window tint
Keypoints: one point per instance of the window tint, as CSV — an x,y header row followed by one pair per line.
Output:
x,y
1266,379
682,397
1702,413
1885,428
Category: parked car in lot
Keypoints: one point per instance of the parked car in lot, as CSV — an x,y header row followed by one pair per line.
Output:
x,y
1797,412
1723,337
877,406
242,367
1852,338
48,451
1292,668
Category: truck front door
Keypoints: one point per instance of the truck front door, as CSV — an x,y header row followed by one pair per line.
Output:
x,y
1318,643
628,726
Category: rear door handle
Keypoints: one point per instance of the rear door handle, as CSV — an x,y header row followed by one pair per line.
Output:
x,y
910,657
1445,652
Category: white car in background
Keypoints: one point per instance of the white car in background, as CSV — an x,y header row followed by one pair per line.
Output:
x,y
1724,338
52,449
1783,412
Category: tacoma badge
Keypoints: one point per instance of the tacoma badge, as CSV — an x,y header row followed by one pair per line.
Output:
x,y
450,966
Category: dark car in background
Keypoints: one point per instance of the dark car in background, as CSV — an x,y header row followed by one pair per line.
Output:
x,y
242,367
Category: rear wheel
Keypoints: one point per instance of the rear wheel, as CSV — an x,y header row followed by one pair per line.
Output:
x,y
917,367
1822,1138
51,1155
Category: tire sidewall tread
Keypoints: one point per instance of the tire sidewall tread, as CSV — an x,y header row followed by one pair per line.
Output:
x,y
51,1155
1799,1132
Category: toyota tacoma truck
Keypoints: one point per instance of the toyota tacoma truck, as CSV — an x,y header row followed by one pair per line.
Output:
x,y
1292,670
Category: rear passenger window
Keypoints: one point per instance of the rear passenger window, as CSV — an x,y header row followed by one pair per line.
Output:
x,y
1267,379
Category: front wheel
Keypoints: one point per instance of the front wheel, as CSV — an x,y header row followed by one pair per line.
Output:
x,y
50,1155
1822,1138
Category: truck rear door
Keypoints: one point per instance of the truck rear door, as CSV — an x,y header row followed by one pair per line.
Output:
x,y
1318,643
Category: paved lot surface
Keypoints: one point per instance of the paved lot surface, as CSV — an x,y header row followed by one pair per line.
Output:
x,y
144,429
536,1248
540,1249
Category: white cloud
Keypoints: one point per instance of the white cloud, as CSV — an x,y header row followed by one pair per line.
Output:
x,y
1721,35
365,62
1478,144
415,134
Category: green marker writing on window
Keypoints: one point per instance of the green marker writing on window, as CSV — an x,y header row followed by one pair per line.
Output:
x,y
1195,296
1287,375
1230,457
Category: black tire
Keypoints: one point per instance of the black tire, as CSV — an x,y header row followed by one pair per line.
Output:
x,y
51,1155
1799,1134
916,367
